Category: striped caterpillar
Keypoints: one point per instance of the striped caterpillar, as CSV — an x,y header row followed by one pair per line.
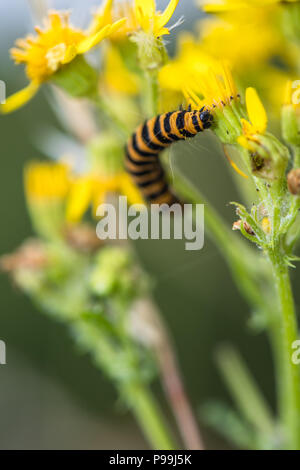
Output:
x,y
144,146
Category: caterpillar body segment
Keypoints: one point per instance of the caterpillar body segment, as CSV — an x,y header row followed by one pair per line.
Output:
x,y
150,139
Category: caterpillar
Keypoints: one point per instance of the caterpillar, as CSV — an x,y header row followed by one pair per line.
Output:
x,y
150,138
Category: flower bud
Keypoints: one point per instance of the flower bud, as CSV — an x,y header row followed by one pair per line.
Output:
x,y
237,226
151,51
293,181
290,124
290,116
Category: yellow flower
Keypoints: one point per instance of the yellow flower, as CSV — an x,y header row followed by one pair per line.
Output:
x,y
152,21
51,185
257,124
46,181
53,47
213,87
112,11
250,39
190,62
94,189
212,6
234,37
46,189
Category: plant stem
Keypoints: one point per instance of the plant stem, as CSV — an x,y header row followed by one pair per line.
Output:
x,y
244,390
152,95
179,402
149,416
286,331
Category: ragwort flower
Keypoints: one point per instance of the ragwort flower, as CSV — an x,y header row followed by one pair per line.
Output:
x,y
58,44
152,21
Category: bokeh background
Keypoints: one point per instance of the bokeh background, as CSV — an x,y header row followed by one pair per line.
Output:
x,y
52,397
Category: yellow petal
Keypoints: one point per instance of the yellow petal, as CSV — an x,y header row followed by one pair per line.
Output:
x,y
161,32
147,7
101,17
288,93
91,41
20,98
79,198
117,25
127,188
247,127
70,54
233,164
244,142
94,39
256,111
167,14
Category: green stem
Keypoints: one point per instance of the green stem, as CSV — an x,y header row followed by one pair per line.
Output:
x,y
152,95
244,390
149,416
285,330
135,392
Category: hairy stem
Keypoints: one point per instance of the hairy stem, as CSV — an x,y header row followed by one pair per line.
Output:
x,y
285,332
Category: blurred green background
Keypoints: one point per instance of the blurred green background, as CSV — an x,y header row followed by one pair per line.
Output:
x,y
50,395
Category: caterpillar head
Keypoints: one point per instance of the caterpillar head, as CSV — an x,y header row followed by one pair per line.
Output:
x,y
205,117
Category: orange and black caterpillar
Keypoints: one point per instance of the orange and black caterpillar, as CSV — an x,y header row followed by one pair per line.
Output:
x,y
144,146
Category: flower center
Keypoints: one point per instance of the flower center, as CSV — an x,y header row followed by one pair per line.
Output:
x,y
55,56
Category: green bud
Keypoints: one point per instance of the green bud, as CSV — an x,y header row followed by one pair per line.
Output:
x,y
151,51
290,124
270,159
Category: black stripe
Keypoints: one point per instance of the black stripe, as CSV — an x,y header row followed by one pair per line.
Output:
x,y
158,132
175,137
140,173
187,133
147,139
138,150
162,191
180,120
140,163
195,123
156,179
167,127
